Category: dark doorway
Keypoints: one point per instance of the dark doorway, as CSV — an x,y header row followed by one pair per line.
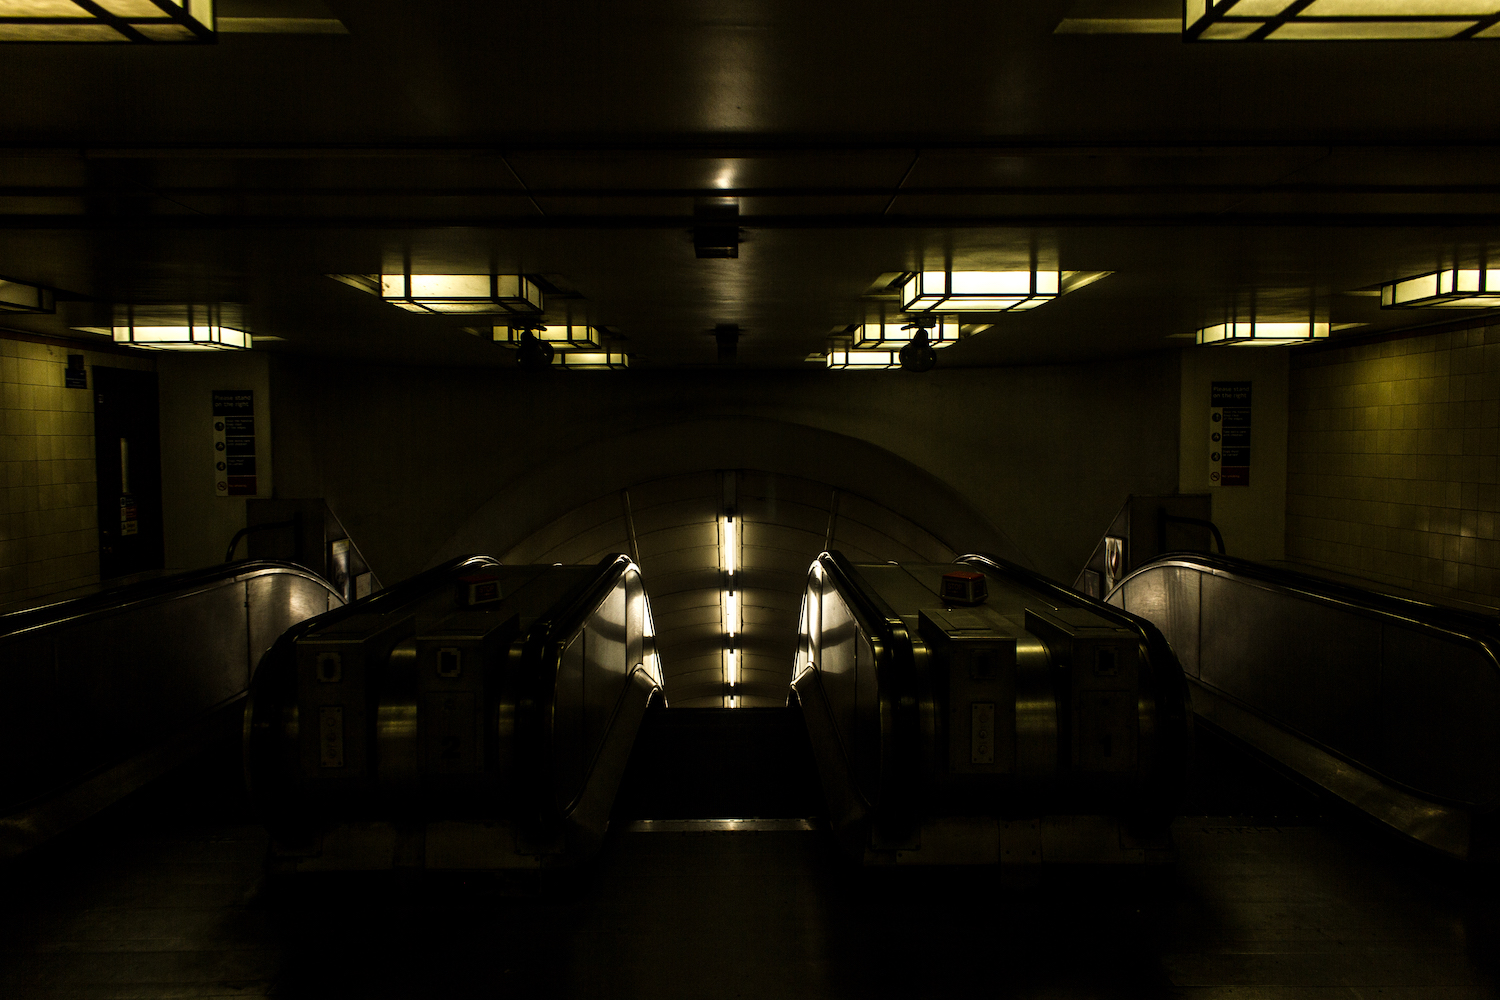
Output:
x,y
127,455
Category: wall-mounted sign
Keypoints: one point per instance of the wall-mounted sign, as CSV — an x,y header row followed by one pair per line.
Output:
x,y
75,376
234,443
1229,434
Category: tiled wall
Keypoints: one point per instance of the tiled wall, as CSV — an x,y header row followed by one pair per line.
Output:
x,y
1392,456
48,534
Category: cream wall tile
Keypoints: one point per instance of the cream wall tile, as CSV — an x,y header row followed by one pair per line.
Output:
x,y
1393,456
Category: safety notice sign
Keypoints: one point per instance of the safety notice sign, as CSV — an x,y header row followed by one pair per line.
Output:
x,y
234,443
1229,434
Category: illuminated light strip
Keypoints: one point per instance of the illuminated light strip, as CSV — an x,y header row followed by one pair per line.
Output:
x,y
16,296
140,21
1257,334
180,328
460,294
562,336
979,291
879,333
729,562
1337,20
1462,288
589,360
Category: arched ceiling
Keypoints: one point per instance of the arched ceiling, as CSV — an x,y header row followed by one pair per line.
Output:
x,y
672,527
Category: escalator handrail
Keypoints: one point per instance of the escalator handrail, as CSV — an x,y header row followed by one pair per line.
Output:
x,y
897,788
1470,625
117,599
390,598
542,645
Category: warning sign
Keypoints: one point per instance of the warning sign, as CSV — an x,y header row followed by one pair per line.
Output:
x,y
1229,434
234,443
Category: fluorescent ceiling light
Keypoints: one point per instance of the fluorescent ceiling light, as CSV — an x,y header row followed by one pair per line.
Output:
x,y
562,337
178,328
1335,20
841,358
140,21
1454,289
18,297
1259,334
461,293
895,332
729,546
590,360
978,291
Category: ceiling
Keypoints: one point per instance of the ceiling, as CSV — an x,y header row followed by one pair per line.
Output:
x,y
570,141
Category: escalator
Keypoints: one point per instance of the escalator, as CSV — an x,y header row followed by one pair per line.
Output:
x,y
1389,703
475,718
102,693
978,714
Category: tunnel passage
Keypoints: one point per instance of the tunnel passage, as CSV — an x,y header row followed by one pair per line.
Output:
x,y
678,530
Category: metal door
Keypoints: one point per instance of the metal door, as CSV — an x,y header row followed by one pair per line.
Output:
x,y
127,455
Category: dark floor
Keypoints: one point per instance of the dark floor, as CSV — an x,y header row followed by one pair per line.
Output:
x,y
1276,896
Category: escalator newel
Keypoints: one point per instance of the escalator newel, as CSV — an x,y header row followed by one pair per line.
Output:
x,y
477,717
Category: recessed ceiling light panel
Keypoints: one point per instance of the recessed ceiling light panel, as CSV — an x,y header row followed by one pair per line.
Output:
x,y
562,336
179,328
590,360
1260,334
140,21
844,358
18,297
978,291
1338,20
895,332
461,293
1455,289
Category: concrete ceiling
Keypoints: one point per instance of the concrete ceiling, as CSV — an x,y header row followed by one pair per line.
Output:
x,y
570,141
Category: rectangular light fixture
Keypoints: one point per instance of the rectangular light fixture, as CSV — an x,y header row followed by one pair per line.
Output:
x,y
15,296
461,293
562,336
1335,20
590,360
891,333
1455,289
729,545
1258,334
140,21
178,328
729,565
978,291
843,358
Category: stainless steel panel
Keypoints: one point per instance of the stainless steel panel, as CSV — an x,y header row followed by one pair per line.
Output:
x,y
1440,717
1167,596
1308,666
1411,705
102,683
277,601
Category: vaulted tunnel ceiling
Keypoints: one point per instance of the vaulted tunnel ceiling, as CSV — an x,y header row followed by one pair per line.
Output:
x,y
673,524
